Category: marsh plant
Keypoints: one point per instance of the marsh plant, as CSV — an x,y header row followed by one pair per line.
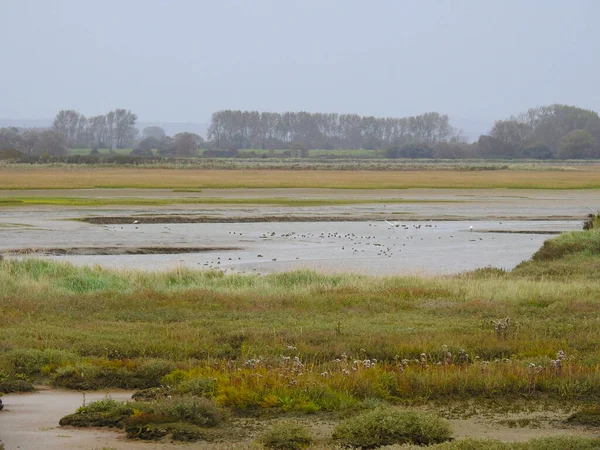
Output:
x,y
592,221
286,435
388,427
501,327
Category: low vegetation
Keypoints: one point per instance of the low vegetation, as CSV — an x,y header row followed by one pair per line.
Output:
x,y
385,427
303,342
592,222
183,419
286,435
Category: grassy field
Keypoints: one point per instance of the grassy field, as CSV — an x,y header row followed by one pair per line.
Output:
x,y
303,342
69,177
89,202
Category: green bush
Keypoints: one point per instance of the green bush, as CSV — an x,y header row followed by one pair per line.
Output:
x,y
287,436
102,413
387,427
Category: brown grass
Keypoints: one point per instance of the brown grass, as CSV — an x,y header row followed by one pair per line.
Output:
x,y
102,177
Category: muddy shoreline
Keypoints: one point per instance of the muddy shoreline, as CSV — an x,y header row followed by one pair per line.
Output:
x,y
135,219
117,250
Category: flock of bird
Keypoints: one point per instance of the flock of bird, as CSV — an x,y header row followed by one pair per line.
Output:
x,y
340,244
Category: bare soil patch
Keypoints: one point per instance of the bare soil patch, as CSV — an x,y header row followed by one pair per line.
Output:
x,y
121,220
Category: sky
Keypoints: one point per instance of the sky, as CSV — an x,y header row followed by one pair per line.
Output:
x,y
181,60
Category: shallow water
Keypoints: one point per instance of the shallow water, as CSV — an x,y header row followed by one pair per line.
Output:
x,y
375,248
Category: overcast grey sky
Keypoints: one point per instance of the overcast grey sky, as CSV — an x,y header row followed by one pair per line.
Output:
x,y
180,60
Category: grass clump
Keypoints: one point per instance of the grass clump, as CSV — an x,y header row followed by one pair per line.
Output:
x,y
387,427
102,413
185,419
286,435
592,222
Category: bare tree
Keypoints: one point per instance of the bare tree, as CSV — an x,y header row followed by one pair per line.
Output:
x,y
124,127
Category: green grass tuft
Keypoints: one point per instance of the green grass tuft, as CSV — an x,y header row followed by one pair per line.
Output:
x,y
385,427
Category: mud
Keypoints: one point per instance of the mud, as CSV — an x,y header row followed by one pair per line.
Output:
x,y
117,250
119,220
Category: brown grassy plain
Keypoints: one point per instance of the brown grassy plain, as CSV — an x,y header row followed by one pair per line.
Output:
x,y
40,177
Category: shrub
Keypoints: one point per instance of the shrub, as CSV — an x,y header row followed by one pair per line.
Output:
x,y
387,427
102,413
592,222
287,436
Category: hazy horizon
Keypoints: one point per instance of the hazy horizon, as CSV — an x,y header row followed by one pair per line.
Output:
x,y
180,61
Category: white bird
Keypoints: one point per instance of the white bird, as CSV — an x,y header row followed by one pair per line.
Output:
x,y
471,228
136,221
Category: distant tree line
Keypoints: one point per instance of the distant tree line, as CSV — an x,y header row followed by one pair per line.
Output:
x,y
116,129
15,143
555,131
548,132
296,130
